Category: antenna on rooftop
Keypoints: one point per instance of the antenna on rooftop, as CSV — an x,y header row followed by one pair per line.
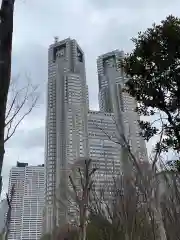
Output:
x,y
56,39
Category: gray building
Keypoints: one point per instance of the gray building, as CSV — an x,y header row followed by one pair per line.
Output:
x,y
103,149
110,78
73,131
114,100
27,203
66,124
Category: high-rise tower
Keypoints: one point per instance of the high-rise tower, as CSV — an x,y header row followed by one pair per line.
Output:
x,y
27,202
66,123
113,99
109,76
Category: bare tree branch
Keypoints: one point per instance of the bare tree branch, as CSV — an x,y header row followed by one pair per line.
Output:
x,y
147,183
20,105
85,174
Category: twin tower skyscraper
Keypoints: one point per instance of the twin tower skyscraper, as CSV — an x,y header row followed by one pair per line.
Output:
x,y
73,130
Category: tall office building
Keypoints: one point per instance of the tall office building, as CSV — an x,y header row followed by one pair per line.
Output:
x,y
109,78
27,203
113,99
66,123
73,131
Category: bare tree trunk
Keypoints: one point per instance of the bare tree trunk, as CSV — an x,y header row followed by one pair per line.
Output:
x,y
8,218
155,206
83,218
6,32
83,206
160,226
86,181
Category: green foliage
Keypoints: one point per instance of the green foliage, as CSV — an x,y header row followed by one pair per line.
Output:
x,y
177,165
99,228
153,68
174,165
65,232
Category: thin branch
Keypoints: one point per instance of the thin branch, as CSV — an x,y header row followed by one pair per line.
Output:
x,y
17,110
11,106
9,135
81,179
158,150
75,189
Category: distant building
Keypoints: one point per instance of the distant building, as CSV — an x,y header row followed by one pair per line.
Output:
x,y
27,203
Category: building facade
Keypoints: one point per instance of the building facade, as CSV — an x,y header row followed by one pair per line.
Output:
x,y
103,149
114,100
73,131
27,203
66,124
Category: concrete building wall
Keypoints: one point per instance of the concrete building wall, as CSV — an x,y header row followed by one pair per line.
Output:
x,y
103,149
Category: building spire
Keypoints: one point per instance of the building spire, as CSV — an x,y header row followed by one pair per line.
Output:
x,y
56,39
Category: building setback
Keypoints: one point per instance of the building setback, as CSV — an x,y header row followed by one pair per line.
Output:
x,y
103,149
73,131
27,203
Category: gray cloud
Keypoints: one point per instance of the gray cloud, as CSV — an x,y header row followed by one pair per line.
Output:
x,y
130,4
28,138
29,155
99,26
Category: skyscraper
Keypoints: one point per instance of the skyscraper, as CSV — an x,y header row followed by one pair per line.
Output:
x,y
66,123
109,77
113,99
73,131
27,202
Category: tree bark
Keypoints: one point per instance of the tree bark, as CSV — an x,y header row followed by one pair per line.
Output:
x,y
6,32
83,219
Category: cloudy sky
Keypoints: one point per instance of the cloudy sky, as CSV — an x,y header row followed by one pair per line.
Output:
x,y
99,26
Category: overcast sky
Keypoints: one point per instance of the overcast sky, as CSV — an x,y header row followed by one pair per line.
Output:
x,y
99,26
